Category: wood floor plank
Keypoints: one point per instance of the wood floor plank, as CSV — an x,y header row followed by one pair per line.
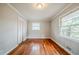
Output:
x,y
38,47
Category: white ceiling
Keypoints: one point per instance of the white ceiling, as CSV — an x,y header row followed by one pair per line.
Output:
x,y
32,14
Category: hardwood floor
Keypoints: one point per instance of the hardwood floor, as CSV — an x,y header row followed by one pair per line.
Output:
x,y
38,47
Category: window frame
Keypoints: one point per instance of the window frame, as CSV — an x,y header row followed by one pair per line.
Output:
x,y
35,26
60,24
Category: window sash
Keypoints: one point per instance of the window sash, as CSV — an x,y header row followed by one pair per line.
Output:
x,y
35,26
70,27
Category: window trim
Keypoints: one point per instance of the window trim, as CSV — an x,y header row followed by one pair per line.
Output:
x,y
35,26
60,23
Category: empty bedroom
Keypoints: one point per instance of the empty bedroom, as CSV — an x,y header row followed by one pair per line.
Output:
x,y
39,28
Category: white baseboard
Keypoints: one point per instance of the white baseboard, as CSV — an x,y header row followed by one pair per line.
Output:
x,y
24,40
38,37
10,50
62,46
42,38
14,47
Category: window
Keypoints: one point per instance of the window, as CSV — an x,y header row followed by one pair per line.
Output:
x,y
70,25
35,26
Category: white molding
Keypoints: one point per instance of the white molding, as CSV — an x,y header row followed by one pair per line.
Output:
x,y
62,46
13,8
13,48
69,12
42,38
67,6
10,50
37,37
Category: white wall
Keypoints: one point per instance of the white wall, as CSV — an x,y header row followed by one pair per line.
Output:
x,y
11,33
65,42
42,33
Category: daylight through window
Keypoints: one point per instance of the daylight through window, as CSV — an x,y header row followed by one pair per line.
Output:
x,y
70,25
35,26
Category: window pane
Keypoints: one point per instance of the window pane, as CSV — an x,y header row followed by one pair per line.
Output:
x,y
65,31
67,23
70,25
35,26
75,32
76,20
